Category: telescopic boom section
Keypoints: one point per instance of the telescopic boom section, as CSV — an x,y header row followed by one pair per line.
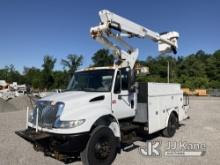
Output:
x,y
113,28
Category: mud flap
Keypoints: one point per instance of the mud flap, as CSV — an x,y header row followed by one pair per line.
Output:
x,y
186,109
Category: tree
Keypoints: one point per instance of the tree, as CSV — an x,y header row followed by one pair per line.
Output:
x,y
32,76
60,81
192,70
10,74
158,68
72,63
47,72
102,58
216,63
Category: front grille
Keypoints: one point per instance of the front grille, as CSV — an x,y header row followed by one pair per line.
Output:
x,y
47,114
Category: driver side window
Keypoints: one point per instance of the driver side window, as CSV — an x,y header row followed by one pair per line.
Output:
x,y
124,78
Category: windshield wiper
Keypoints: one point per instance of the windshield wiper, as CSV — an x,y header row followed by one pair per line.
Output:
x,y
75,89
89,89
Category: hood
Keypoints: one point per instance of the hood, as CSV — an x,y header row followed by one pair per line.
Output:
x,y
75,96
78,104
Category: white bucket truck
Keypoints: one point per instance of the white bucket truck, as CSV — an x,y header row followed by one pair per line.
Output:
x,y
103,107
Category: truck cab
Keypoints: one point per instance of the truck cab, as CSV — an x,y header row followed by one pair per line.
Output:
x,y
103,107
95,98
92,93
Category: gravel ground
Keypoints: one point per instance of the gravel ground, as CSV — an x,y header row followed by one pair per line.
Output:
x,y
22,102
16,104
202,127
6,106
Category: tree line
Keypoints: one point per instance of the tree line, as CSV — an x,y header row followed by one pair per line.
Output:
x,y
197,70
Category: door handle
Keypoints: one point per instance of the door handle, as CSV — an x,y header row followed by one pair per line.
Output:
x,y
120,96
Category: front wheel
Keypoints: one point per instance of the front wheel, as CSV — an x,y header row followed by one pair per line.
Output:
x,y
101,148
170,130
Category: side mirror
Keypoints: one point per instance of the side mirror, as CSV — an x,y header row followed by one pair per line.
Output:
x,y
132,89
117,88
131,81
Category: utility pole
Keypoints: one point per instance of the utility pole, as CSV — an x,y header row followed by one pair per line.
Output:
x,y
168,72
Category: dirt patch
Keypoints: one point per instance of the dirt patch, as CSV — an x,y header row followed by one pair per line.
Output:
x,y
22,102
17,103
6,106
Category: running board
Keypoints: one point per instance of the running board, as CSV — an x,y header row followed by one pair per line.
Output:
x,y
129,128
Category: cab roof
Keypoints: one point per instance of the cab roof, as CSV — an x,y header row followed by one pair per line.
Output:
x,y
96,68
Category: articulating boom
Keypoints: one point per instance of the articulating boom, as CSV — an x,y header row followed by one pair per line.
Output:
x,y
114,27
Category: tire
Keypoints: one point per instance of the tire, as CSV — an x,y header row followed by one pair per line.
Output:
x,y
170,130
101,148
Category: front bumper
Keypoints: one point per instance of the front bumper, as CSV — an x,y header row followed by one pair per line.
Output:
x,y
55,143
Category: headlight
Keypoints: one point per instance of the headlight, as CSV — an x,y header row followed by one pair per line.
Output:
x,y
68,124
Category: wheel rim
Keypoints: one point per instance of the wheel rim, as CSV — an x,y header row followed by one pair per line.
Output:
x,y
102,148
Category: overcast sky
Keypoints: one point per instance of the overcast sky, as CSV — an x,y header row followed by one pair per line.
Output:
x,y
30,29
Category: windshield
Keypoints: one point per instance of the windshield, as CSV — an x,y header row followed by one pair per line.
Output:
x,y
92,81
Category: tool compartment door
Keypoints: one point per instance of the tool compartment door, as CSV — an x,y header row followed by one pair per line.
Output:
x,y
153,114
162,99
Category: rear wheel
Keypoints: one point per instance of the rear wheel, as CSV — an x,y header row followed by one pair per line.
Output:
x,y
171,127
101,148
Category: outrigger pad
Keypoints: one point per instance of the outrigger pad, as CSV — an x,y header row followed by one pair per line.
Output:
x,y
31,135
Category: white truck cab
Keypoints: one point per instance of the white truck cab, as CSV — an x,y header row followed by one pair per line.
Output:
x,y
104,107
92,93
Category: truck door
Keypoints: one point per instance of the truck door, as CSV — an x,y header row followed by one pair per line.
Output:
x,y
123,102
